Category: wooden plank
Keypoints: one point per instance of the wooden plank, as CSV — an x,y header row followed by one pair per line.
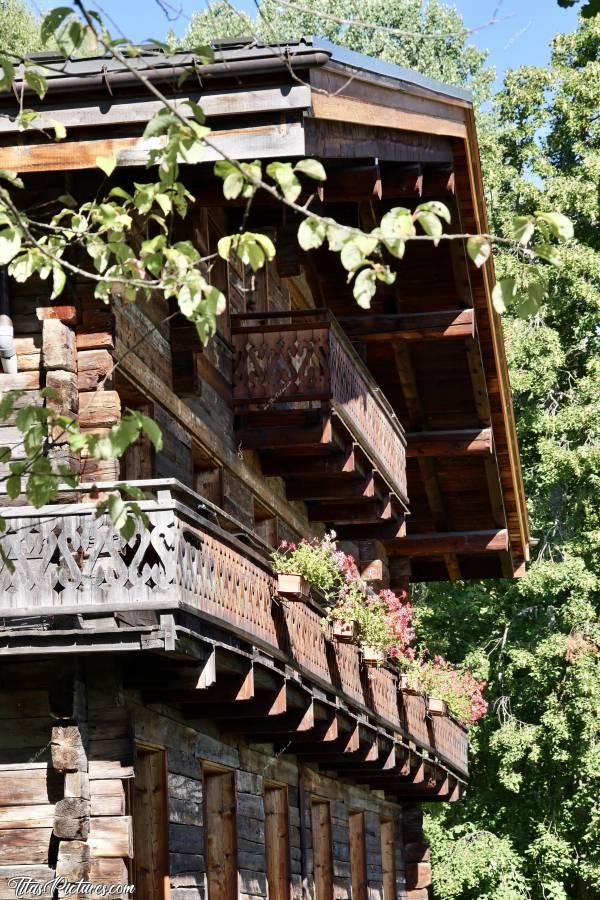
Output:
x,y
436,543
220,834
215,104
277,841
99,409
349,109
322,849
27,786
242,143
150,830
429,326
111,836
358,854
35,816
25,845
359,141
456,442
388,858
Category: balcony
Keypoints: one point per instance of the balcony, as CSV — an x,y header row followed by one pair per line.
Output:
x,y
307,403
203,598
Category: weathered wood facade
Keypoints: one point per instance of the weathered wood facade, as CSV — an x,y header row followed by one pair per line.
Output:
x,y
170,721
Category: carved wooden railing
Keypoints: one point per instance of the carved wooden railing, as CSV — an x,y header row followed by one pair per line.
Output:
x,y
64,560
303,357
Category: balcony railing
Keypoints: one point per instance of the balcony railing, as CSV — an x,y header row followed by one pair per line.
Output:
x,y
303,357
64,560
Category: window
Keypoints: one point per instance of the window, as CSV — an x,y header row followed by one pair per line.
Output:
x,y
322,856
220,834
388,859
358,855
277,841
150,868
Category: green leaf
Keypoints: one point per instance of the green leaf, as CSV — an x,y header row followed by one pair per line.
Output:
x,y
53,21
151,429
117,510
13,486
36,82
161,122
352,255
503,294
8,73
11,177
59,279
522,229
311,233
60,132
283,175
107,164
436,208
430,223
312,169
560,226
548,253
479,250
233,185
10,244
397,223
364,287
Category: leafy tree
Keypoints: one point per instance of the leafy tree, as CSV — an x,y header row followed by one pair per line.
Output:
x,y
396,37
19,27
589,9
530,826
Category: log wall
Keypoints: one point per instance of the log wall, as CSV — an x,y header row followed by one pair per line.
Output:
x,y
68,780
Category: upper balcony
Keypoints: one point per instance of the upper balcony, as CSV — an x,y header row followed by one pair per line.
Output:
x,y
202,598
308,404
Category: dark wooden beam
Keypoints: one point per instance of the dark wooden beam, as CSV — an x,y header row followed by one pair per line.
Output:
x,y
439,543
418,418
351,184
350,512
411,327
348,464
348,742
327,488
458,442
261,705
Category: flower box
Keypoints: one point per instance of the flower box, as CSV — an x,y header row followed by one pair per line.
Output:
x,y
372,657
344,632
436,707
292,586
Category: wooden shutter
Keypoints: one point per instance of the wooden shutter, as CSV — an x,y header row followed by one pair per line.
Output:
x,y
219,826
388,859
358,855
150,869
277,842
322,855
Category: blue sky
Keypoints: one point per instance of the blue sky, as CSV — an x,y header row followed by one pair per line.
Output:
x,y
522,37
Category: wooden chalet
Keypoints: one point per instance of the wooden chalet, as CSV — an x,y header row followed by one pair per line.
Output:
x,y
168,720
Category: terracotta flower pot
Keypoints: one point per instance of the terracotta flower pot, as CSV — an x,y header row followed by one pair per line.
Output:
x,y
292,586
344,632
436,707
372,657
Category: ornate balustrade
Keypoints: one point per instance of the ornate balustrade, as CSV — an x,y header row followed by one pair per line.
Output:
x,y
302,357
64,560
